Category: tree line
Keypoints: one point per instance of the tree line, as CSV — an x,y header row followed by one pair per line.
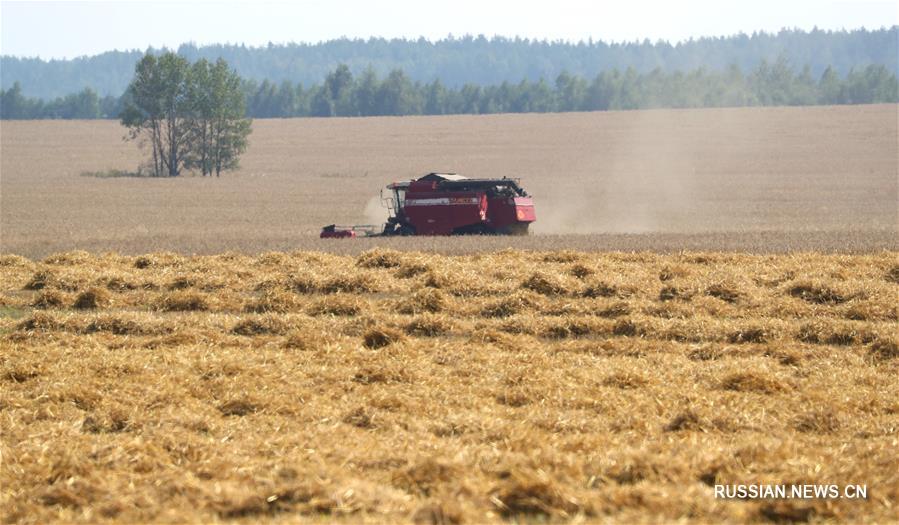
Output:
x,y
475,60
344,94
82,105
191,115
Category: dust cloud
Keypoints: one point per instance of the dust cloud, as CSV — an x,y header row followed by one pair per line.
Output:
x,y
375,213
638,181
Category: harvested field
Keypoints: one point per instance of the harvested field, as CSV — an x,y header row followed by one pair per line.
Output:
x,y
402,386
749,179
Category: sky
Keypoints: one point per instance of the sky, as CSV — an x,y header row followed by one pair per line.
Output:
x,y
69,29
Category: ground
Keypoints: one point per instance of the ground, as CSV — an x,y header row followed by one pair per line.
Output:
x,y
708,298
401,386
746,179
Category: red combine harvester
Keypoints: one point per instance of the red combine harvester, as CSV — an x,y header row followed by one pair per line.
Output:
x,y
449,204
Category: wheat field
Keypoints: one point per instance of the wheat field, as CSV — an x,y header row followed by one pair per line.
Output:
x,y
745,179
403,386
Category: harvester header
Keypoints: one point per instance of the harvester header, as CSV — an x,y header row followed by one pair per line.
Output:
x,y
449,204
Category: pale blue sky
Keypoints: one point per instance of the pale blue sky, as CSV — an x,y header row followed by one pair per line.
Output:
x,y
69,29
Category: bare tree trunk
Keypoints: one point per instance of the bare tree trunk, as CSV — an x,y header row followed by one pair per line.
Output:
x,y
204,149
161,168
158,152
173,145
218,150
155,152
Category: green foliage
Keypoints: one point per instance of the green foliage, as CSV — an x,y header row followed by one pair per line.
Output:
x,y
768,85
82,105
158,108
192,115
869,85
343,94
218,129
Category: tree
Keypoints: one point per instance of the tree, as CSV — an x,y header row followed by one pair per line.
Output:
x,y
322,105
804,89
470,99
397,95
192,115
571,92
540,97
229,126
872,84
202,113
829,87
287,101
601,91
366,93
435,99
110,106
334,98
773,84
14,105
157,109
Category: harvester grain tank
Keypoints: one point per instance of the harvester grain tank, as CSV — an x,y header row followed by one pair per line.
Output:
x,y
449,204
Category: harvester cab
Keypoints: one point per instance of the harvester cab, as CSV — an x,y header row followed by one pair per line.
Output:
x,y
450,204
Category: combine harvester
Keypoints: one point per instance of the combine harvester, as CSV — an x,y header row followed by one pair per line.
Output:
x,y
448,204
